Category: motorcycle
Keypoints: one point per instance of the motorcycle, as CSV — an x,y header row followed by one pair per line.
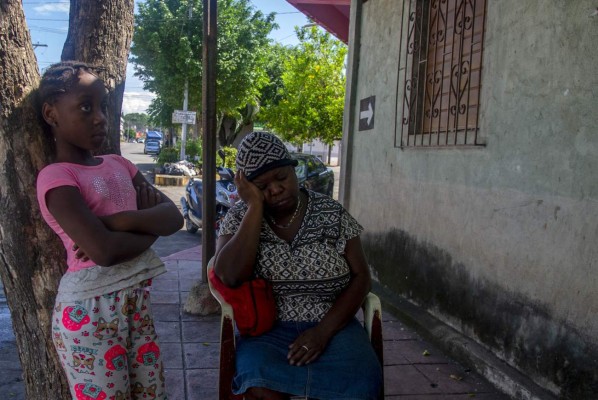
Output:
x,y
226,197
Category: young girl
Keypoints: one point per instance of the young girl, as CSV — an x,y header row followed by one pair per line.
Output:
x,y
107,216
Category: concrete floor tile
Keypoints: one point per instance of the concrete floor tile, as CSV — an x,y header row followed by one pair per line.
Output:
x,y
172,355
12,387
172,272
175,383
201,331
9,355
166,312
406,380
393,353
388,317
166,285
420,352
192,274
202,355
453,378
202,384
168,332
6,332
190,265
443,396
166,297
171,265
394,330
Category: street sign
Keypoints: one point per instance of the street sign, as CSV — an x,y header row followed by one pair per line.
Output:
x,y
367,108
183,117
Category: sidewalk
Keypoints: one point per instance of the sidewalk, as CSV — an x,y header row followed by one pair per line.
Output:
x,y
414,369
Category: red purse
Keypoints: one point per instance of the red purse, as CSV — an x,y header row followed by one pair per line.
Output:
x,y
253,304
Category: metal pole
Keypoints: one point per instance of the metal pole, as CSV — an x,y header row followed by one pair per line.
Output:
x,y
185,106
186,99
208,100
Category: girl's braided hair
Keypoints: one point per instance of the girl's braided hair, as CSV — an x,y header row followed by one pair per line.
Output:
x,y
59,78
56,81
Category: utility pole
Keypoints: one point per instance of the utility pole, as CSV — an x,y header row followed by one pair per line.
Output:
x,y
186,100
208,121
185,106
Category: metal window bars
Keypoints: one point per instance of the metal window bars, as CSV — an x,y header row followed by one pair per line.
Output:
x,y
440,72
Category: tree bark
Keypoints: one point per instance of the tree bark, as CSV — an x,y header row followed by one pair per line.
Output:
x,y
31,256
100,33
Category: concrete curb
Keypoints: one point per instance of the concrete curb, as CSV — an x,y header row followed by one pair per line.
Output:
x,y
462,348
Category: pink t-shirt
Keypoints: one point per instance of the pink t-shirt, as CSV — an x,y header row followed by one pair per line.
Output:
x,y
107,189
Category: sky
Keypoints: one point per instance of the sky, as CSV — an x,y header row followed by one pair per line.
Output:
x,y
48,24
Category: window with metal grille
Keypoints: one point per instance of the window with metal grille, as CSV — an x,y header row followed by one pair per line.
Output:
x,y
440,72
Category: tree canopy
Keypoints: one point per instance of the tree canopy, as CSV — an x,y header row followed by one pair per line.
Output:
x,y
136,121
167,51
309,103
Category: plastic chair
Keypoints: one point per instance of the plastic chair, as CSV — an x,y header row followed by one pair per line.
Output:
x,y
372,321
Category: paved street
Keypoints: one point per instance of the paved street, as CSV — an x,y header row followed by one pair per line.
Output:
x,y
414,368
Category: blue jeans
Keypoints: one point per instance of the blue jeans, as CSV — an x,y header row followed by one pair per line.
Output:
x,y
348,369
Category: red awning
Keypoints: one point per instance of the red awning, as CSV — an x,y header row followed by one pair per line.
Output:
x,y
332,15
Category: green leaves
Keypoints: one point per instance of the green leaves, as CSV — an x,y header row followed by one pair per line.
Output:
x,y
167,51
310,99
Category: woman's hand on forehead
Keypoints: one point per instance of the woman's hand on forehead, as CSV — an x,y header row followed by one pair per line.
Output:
x,y
248,192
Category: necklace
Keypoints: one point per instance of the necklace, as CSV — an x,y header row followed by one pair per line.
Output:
x,y
295,214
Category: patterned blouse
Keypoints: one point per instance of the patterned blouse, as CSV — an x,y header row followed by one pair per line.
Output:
x,y
310,272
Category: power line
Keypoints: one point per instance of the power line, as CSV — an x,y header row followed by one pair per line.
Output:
x,y
49,30
47,19
156,19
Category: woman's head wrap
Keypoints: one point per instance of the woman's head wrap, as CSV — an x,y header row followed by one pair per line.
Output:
x,y
260,152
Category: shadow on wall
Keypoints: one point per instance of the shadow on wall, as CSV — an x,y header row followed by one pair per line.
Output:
x,y
521,332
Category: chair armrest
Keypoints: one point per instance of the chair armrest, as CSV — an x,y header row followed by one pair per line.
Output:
x,y
372,320
226,310
227,344
371,309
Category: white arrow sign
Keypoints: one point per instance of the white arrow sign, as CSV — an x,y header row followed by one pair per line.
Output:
x,y
369,113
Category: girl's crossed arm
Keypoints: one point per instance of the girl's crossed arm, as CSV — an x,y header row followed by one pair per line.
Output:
x,y
156,213
105,242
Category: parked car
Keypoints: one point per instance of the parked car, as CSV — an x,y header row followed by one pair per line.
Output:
x,y
313,174
155,135
151,147
140,140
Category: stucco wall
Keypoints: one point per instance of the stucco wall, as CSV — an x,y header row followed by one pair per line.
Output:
x,y
498,241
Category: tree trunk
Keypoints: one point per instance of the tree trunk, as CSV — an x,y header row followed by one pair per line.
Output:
x,y
227,129
100,34
31,256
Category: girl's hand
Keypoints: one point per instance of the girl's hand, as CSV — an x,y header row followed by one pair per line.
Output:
x,y
147,196
248,192
307,347
80,255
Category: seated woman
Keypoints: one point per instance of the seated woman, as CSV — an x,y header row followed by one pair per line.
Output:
x,y
308,246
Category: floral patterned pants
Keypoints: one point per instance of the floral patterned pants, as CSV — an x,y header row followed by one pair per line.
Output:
x,y
108,346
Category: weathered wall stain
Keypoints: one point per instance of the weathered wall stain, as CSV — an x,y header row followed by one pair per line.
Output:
x,y
520,331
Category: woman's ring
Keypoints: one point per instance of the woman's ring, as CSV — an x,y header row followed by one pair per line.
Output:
x,y
305,347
